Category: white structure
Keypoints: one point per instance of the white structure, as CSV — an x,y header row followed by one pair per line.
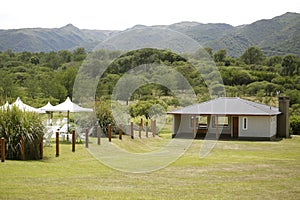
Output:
x,y
231,117
22,106
68,106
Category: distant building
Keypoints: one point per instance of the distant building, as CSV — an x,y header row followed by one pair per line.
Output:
x,y
233,117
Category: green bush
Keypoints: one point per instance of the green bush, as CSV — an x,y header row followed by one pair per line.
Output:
x,y
295,125
105,116
148,108
15,124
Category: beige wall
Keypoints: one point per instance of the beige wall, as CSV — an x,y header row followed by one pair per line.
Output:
x,y
185,124
258,126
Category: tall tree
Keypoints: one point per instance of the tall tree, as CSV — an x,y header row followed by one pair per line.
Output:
x,y
289,65
79,54
253,55
220,55
274,60
68,78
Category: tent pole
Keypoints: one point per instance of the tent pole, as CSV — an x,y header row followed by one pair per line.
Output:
x,y
68,121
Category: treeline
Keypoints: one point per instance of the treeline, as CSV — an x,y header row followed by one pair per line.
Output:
x,y
253,74
38,76
41,77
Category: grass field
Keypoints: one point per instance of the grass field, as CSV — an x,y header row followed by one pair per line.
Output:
x,y
233,170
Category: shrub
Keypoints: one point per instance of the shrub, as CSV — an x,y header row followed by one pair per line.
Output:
x,y
15,124
105,116
295,125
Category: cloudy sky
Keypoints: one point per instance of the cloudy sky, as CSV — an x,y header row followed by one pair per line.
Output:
x,y
122,14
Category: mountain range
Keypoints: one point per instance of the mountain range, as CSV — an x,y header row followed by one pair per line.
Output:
x,y
277,36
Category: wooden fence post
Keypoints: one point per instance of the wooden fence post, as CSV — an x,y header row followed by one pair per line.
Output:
x,y
140,130
131,130
154,128
57,144
22,148
99,135
109,132
87,138
73,140
120,132
141,127
2,149
146,129
41,148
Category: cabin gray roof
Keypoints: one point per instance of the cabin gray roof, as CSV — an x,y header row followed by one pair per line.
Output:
x,y
228,106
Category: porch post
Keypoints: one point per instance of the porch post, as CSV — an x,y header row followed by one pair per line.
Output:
x,y
194,126
217,126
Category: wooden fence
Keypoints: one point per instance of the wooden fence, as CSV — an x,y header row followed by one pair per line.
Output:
x,y
140,128
22,149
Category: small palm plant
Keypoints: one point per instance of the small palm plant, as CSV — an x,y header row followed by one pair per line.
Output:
x,y
16,124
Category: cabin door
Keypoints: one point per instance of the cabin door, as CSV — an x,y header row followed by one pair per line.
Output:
x,y
235,127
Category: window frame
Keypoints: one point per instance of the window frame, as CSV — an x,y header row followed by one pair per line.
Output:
x,y
245,123
198,122
214,125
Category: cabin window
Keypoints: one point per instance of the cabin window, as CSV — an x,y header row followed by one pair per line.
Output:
x,y
245,123
201,122
221,121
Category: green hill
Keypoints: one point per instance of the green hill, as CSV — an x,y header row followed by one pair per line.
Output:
x,y
41,39
277,36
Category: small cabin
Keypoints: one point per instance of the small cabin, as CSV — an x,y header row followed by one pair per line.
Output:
x,y
232,118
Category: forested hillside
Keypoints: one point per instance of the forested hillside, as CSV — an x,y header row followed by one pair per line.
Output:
x,y
277,36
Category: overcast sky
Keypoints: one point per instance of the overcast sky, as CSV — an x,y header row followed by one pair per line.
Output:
x,y
122,14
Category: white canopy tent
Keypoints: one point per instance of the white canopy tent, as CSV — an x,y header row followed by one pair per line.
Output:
x,y
47,108
67,106
22,106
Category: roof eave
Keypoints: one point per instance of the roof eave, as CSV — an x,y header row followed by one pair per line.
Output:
x,y
231,114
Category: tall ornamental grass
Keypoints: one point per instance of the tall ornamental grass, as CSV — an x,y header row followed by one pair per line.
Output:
x,y
15,124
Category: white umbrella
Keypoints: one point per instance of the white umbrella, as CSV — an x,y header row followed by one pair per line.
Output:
x,y
24,107
68,106
48,107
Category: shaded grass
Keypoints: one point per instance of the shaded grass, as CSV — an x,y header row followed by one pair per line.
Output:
x,y
233,170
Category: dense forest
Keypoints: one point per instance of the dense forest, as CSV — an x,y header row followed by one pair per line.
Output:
x,y
41,77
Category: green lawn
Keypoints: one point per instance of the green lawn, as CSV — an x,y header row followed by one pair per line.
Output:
x,y
233,170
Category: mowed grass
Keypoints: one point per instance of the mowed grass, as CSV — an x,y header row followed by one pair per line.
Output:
x,y
233,170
